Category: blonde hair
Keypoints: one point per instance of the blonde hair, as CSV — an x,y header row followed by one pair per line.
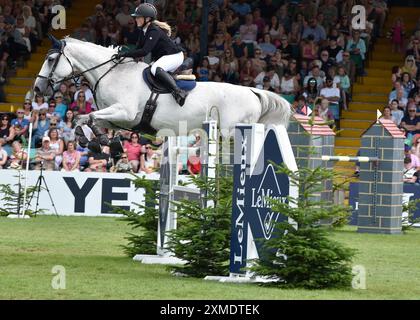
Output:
x,y
163,25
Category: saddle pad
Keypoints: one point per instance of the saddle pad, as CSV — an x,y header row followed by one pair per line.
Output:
x,y
189,77
186,85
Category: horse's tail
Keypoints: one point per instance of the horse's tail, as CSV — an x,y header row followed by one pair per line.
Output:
x,y
274,109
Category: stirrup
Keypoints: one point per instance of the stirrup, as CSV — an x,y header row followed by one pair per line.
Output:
x,y
180,97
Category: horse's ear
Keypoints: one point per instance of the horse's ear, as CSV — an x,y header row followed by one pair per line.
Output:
x,y
56,44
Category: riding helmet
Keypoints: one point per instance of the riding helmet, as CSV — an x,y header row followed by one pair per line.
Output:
x,y
145,10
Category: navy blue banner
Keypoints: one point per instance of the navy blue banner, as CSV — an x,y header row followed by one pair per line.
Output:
x,y
250,192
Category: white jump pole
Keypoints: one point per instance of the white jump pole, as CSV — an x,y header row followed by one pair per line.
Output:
x,y
27,169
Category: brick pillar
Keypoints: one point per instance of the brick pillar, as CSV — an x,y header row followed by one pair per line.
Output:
x,y
309,144
381,184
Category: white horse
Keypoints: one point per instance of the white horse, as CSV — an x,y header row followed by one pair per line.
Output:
x,y
121,94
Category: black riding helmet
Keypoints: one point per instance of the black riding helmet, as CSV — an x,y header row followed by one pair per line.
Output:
x,y
145,10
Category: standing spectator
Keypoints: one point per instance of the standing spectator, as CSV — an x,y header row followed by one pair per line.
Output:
x,y
39,103
258,20
45,156
397,35
133,148
357,48
149,160
71,158
333,96
3,154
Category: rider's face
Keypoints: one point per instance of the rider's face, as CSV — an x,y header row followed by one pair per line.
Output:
x,y
140,21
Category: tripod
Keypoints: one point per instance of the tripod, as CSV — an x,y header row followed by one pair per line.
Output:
x,y
41,179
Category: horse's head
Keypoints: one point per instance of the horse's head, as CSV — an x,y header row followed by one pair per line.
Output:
x,y
55,68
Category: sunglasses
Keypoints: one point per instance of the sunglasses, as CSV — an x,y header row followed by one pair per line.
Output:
x,y
27,103
81,96
5,119
19,112
42,114
123,157
53,124
148,148
411,110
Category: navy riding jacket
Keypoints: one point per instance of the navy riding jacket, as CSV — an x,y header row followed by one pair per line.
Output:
x,y
155,41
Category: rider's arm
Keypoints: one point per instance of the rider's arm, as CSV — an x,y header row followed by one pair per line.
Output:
x,y
152,38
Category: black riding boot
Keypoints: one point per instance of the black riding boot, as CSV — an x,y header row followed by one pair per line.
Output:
x,y
179,94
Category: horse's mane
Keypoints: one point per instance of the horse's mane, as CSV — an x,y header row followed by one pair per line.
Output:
x,y
110,50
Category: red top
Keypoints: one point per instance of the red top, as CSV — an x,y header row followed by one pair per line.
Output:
x,y
194,164
75,107
133,152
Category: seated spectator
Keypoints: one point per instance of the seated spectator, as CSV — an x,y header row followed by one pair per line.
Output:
x,y
274,79
289,86
69,126
133,148
333,96
18,156
67,97
21,125
323,111
248,74
249,30
315,29
84,156
396,74
123,165
27,111
229,75
240,49
7,132
203,71
315,73
334,50
88,93
300,106
396,113
45,156
56,144
345,85
398,94
41,125
349,65
267,46
80,105
39,103
124,16
3,154
286,48
326,61
410,173
98,160
386,113
311,92
309,49
407,83
410,66
258,63
71,158
410,122
149,160
194,163
61,107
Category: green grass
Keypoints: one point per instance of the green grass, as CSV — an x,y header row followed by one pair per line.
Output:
x,y
89,249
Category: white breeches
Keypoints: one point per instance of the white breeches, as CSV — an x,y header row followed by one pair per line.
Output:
x,y
168,63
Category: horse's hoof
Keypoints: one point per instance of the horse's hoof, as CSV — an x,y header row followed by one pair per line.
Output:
x,y
103,140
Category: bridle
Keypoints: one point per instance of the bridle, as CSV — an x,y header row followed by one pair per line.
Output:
x,y
73,76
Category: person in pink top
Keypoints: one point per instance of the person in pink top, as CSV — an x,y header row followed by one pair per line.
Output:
x,y
81,106
71,158
133,149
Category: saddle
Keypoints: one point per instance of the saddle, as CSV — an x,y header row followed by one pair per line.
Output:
x,y
184,82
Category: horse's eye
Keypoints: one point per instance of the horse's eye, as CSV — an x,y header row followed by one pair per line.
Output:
x,y
50,59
